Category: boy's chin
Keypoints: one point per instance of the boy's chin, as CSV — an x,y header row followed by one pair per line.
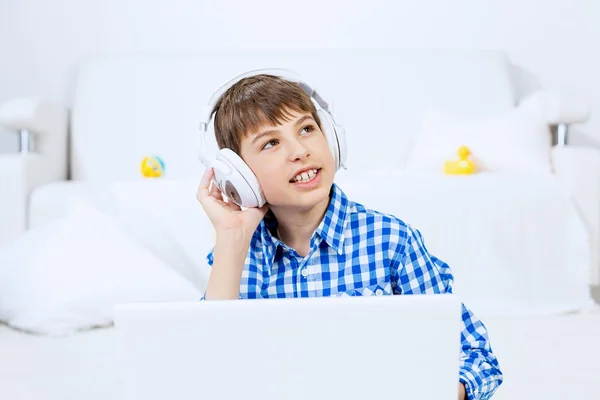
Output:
x,y
303,201
314,197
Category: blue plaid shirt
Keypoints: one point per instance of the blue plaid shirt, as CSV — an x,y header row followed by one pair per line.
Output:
x,y
360,252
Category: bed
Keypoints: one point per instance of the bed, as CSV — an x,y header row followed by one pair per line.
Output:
x,y
128,107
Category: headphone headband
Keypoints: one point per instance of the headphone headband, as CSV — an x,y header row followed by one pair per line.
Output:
x,y
280,72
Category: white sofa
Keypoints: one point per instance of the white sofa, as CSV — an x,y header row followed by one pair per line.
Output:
x,y
126,107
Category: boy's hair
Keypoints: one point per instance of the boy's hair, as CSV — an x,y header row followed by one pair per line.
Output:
x,y
255,101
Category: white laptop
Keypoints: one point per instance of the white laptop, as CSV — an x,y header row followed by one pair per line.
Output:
x,y
293,349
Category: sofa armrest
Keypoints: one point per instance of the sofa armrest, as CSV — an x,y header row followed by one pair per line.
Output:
x,y
48,124
20,175
559,108
578,170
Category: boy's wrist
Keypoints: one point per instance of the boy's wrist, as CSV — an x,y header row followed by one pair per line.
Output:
x,y
231,250
236,238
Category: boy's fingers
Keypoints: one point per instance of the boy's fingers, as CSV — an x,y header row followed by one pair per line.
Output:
x,y
215,192
203,187
206,177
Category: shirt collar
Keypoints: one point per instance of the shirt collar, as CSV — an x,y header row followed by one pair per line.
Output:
x,y
269,242
332,227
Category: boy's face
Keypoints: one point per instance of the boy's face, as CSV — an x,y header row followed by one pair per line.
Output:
x,y
292,162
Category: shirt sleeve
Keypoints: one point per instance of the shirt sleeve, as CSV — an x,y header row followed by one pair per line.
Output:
x,y
418,272
210,258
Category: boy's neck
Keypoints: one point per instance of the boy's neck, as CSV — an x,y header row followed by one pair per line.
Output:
x,y
296,227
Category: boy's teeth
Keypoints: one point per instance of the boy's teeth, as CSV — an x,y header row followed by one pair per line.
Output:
x,y
306,176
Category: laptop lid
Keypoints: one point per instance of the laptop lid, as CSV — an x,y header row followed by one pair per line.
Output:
x,y
292,349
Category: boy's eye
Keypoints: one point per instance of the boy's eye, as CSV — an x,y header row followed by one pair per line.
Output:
x,y
273,142
269,144
308,129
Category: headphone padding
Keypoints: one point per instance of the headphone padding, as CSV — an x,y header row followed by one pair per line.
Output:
x,y
246,184
328,128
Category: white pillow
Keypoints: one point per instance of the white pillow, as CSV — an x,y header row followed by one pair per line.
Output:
x,y
67,275
165,217
516,141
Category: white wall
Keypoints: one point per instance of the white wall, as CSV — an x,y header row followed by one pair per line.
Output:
x,y
42,41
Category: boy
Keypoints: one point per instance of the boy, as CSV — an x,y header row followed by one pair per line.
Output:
x,y
309,239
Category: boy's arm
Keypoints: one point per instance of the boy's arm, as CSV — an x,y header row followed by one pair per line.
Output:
x,y
227,262
418,272
234,228
227,284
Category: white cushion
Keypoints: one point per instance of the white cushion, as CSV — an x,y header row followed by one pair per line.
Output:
x,y
51,201
161,215
165,217
514,141
67,275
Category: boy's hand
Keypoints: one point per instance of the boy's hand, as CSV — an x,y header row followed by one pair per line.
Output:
x,y
226,216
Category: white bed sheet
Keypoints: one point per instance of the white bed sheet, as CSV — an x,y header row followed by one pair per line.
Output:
x,y
516,243
84,366
542,357
548,357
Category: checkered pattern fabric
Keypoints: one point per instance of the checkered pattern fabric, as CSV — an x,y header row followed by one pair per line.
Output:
x,y
360,252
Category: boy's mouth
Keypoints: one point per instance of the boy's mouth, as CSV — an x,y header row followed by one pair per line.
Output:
x,y
305,176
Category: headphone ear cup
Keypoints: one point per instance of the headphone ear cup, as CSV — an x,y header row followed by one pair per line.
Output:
x,y
237,181
210,148
340,134
329,130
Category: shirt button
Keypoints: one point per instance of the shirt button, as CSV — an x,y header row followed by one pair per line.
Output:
x,y
305,272
379,292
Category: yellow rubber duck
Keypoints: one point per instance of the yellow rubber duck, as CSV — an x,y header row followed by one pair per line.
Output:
x,y
152,167
463,165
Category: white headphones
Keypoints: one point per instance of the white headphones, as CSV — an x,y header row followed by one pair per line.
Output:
x,y
232,176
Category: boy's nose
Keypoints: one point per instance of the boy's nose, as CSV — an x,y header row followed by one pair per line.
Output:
x,y
298,151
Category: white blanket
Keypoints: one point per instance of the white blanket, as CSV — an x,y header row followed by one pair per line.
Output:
x,y
515,243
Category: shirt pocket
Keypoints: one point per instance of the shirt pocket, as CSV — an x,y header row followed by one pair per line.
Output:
x,y
380,289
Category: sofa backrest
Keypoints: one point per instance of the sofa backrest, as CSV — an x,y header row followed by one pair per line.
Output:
x,y
126,107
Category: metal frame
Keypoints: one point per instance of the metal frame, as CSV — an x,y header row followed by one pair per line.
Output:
x,y
562,135
26,142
